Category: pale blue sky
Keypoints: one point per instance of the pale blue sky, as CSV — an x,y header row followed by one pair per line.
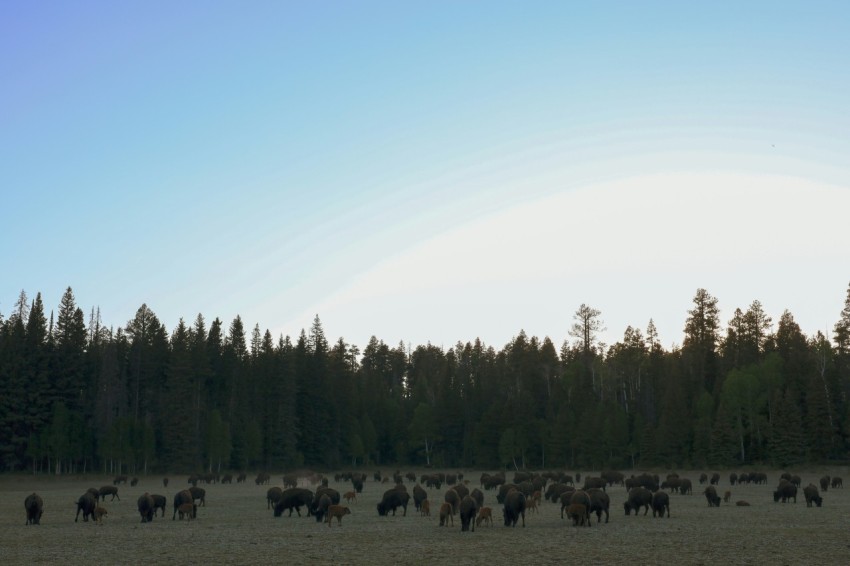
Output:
x,y
281,160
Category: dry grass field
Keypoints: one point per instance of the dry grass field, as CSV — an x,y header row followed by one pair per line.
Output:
x,y
236,528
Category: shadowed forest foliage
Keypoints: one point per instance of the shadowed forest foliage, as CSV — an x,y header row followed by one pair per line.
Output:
x,y
78,397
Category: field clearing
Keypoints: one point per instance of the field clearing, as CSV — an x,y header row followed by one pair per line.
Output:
x,y
236,528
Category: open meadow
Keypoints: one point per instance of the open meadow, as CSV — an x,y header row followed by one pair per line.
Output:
x,y
235,527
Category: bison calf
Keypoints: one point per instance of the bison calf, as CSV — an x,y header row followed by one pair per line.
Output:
x,y
578,513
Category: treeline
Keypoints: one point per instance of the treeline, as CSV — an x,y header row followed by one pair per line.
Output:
x,y
77,396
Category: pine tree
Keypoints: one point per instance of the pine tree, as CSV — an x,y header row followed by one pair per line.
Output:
x,y
786,440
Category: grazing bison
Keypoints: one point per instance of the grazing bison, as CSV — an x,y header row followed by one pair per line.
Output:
x,y
478,496
514,508
837,482
685,487
638,497
320,507
133,482
733,478
146,508
824,483
86,503
290,480
599,503
159,502
742,503
468,510
673,484
273,496
660,502
711,496
181,498
578,513
241,477
263,477
504,489
338,511
34,506
461,490
119,479
187,510
293,498
392,499
554,491
612,477
810,492
715,479
485,515
99,514
109,490
419,495
227,478
785,491
446,515
703,477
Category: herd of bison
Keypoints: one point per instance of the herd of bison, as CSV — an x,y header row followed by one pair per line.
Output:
x,y
449,497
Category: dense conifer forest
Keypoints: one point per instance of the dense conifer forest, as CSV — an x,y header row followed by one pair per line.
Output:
x,y
79,397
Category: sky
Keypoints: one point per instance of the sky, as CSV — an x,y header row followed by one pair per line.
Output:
x,y
426,171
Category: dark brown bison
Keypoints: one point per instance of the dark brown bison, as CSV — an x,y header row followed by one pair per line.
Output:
x,y
227,478
273,496
504,489
715,479
241,477
514,508
742,503
393,499
685,486
611,477
554,491
263,477
837,482
638,497
119,479
164,482
181,498
199,494
86,503
159,502
673,484
461,490
146,508
320,507
492,481
578,513
293,498
468,510
733,478
109,490
810,492
599,503
703,477
419,495
133,482
785,491
290,480
660,502
824,483
520,477
478,496
711,496
34,507
581,497
593,482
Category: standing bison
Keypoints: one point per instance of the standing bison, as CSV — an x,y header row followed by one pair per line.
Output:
x,y
34,506
293,498
812,496
86,503
660,502
638,497
514,508
392,499
419,495
182,498
468,510
785,491
146,507
711,496
109,490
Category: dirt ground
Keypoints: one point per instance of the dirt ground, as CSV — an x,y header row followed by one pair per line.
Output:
x,y
236,528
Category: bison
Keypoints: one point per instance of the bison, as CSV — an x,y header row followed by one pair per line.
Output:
x,y
338,511
837,482
824,483
391,500
452,498
419,495
660,502
638,497
293,498
34,506
578,513
181,498
109,490
468,510
273,496
159,502
514,508
711,496
599,503
785,491
446,515
146,507
810,492
200,494
86,503
320,507
685,487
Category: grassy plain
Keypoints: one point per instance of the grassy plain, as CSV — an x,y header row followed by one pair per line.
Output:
x,y
236,528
